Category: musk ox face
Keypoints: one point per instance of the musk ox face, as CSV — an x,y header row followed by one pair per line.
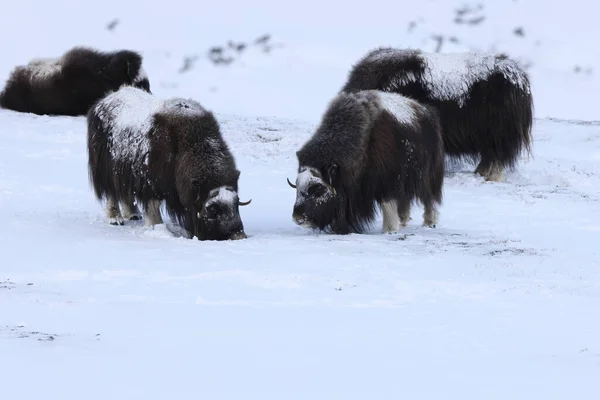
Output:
x,y
316,198
219,218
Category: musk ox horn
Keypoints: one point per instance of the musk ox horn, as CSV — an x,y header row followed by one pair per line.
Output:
x,y
245,203
290,183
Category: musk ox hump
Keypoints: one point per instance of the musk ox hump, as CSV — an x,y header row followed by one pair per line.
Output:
x,y
450,76
128,114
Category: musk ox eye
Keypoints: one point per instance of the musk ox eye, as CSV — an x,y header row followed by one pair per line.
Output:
x,y
213,210
316,191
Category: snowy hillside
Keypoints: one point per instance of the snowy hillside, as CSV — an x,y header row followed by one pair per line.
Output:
x,y
311,45
500,301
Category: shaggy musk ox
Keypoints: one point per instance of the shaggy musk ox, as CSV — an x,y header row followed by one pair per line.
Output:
x,y
484,100
145,149
69,85
370,147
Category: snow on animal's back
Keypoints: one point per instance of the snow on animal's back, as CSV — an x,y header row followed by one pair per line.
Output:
x,y
183,107
128,115
129,107
402,108
451,75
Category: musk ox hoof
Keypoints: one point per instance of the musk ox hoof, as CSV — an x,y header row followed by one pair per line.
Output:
x,y
116,221
238,236
135,218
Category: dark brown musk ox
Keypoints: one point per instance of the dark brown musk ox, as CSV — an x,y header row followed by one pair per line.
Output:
x,y
484,100
143,149
371,148
70,84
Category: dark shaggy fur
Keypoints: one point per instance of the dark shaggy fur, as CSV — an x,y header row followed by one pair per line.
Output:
x,y
165,150
70,84
485,104
366,152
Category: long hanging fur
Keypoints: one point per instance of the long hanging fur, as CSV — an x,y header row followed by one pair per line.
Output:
x,y
484,100
371,148
70,84
152,150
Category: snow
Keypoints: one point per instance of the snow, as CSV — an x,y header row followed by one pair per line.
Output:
x,y
399,106
43,68
500,301
450,76
223,195
128,114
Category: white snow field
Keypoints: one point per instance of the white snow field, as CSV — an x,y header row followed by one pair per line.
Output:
x,y
500,301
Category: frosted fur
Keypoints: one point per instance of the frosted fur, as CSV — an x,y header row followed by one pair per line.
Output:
x,y
306,176
399,106
222,195
450,76
43,68
129,111
309,176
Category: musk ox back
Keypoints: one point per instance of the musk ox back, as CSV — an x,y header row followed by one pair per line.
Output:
x,y
370,148
70,84
484,100
145,149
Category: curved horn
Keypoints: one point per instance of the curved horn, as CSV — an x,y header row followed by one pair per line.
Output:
x,y
245,203
290,183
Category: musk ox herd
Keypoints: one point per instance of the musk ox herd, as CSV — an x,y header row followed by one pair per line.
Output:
x,y
381,143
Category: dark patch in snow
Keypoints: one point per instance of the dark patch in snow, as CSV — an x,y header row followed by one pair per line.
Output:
x,y
7,285
231,52
112,24
20,332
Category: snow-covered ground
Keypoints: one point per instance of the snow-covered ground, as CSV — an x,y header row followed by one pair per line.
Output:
x,y
501,301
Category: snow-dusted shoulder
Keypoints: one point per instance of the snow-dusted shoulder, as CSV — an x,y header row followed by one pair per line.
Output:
x,y
127,113
452,75
401,107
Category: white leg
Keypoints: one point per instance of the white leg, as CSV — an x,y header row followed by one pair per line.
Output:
x,y
391,219
152,213
430,216
112,211
130,210
496,173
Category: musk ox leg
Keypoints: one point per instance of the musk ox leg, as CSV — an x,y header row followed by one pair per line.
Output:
x,y
152,213
112,211
496,173
490,169
430,216
404,211
391,219
130,210
484,167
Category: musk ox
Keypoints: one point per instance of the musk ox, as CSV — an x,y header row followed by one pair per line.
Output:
x,y
484,100
148,150
70,84
371,147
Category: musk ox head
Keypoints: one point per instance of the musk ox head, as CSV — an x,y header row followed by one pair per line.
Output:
x,y
316,197
219,216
